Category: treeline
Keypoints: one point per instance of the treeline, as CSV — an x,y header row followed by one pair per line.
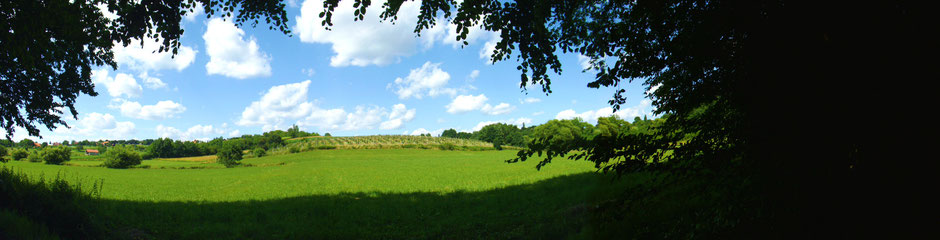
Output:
x,y
558,131
169,148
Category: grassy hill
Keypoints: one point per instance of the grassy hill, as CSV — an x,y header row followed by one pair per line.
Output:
x,y
343,193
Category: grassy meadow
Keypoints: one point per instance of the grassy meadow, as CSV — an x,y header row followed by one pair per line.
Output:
x,y
342,193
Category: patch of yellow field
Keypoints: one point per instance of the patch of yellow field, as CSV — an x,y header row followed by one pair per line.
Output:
x,y
205,159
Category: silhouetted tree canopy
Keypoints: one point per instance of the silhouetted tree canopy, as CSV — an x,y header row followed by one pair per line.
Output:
x,y
48,47
776,93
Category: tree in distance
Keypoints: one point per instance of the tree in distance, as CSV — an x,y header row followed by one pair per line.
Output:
x,y
56,155
229,155
19,154
122,157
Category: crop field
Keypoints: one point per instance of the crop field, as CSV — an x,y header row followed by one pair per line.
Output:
x,y
363,193
384,142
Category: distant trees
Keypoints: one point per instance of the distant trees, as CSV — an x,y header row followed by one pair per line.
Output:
x,y
3,154
450,133
26,143
500,134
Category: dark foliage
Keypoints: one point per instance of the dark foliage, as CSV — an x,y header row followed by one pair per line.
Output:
x,y
55,204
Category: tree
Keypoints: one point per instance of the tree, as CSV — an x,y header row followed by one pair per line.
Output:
x,y
3,154
122,157
726,73
19,154
56,155
39,80
229,154
450,133
26,143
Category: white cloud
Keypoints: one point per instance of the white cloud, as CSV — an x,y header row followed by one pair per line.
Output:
x,y
428,79
101,125
120,84
145,57
644,108
400,114
287,104
512,121
234,133
195,12
231,55
161,110
473,75
486,53
151,82
308,71
531,100
420,131
362,43
197,132
467,103
279,105
499,109
584,61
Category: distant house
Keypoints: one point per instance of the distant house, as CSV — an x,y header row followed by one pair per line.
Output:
x,y
37,144
106,143
91,152
55,144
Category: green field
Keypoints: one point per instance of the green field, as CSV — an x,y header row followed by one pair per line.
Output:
x,y
364,193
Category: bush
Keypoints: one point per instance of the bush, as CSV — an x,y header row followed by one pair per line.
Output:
x,y
447,146
34,157
3,154
56,155
326,147
19,154
259,152
146,155
293,149
229,155
121,157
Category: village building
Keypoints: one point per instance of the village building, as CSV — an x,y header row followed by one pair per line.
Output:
x,y
92,152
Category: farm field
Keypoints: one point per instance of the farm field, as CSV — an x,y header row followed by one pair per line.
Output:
x,y
364,193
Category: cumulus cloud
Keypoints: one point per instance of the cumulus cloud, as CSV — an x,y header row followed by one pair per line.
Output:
x,y
287,104
512,121
420,131
467,103
279,105
119,85
644,108
400,114
231,55
151,82
197,132
531,100
428,79
363,43
161,110
146,58
101,125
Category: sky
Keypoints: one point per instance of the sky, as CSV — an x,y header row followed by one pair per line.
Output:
x,y
360,78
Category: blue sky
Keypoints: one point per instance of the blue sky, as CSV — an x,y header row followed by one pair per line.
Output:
x,y
361,78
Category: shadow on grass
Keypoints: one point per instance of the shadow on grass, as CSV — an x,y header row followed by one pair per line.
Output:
x,y
553,208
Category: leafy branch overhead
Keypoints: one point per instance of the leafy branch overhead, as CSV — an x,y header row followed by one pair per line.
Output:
x,y
47,48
